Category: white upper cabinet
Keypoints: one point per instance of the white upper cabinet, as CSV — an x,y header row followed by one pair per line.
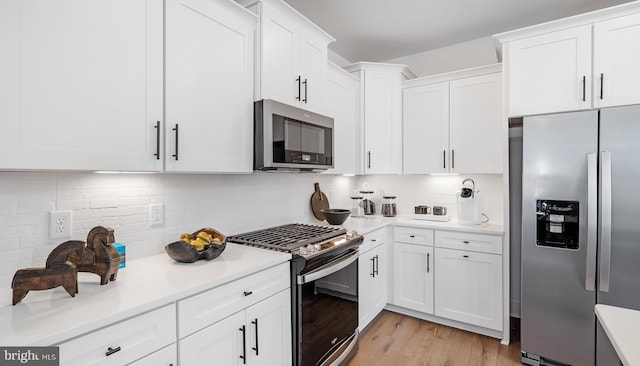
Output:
x,y
615,61
475,129
550,72
342,103
583,62
452,123
78,92
291,56
381,114
425,126
209,86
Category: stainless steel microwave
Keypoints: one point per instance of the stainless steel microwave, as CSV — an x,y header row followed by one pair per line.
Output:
x,y
290,138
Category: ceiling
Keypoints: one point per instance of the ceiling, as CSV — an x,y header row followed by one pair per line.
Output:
x,y
380,30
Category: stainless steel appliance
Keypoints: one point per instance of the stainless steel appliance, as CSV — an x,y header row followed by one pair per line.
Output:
x,y
324,292
580,232
290,138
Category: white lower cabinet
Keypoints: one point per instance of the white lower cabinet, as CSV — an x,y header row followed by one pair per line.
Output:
x,y
124,342
413,277
167,356
373,274
259,335
468,287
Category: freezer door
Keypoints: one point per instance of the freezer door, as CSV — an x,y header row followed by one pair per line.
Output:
x,y
619,211
558,319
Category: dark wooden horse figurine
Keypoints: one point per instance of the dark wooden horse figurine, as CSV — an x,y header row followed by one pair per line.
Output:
x,y
57,272
100,257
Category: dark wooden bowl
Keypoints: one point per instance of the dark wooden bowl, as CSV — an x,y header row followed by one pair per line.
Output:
x,y
186,253
336,216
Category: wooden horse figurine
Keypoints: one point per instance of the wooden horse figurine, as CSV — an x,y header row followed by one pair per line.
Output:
x,y
101,257
58,272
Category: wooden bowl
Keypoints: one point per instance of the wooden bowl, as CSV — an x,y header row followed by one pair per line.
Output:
x,y
336,216
186,253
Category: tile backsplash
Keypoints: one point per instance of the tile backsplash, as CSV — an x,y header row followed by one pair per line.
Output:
x,y
229,203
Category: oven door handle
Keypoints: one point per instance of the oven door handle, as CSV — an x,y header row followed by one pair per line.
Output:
x,y
328,269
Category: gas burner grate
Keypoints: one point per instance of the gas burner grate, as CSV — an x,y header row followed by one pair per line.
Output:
x,y
287,238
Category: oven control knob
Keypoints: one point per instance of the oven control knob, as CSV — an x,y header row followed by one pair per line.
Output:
x,y
316,247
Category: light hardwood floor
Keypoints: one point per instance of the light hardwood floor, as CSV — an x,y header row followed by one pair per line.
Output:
x,y
397,340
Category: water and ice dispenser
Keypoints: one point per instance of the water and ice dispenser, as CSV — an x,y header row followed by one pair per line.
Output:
x,y
557,223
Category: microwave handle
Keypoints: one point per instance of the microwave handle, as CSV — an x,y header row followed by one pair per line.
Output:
x,y
328,269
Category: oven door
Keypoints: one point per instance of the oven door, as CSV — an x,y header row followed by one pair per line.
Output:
x,y
329,311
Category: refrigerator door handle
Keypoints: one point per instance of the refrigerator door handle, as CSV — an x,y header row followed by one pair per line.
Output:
x,y
605,232
592,220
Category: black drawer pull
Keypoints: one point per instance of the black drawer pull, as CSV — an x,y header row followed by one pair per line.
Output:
x,y
465,256
412,236
374,239
247,293
465,241
111,351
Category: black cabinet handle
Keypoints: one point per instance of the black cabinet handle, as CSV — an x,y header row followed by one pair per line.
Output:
x,y
465,242
373,267
601,86
374,239
584,88
176,154
428,269
299,93
453,159
376,268
465,256
244,344
157,127
255,322
305,90
111,351
369,159
444,159
412,236
247,293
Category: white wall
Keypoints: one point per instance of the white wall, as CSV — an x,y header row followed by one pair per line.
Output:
x,y
458,56
229,203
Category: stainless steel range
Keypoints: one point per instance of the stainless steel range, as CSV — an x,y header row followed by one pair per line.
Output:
x,y
324,291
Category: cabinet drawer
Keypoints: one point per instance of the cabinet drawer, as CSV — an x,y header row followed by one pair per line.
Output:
x,y
129,340
167,356
413,235
210,306
466,241
373,239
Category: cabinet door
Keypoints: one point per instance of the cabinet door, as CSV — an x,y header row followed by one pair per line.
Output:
x,y
476,124
224,342
382,122
269,331
313,70
372,284
550,72
209,86
77,92
279,48
425,130
342,104
468,287
615,61
413,277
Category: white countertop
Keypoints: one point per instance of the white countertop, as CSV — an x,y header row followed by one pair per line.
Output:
x,y
621,326
367,224
48,317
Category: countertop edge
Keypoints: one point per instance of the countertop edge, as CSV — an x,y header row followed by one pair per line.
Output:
x,y
620,325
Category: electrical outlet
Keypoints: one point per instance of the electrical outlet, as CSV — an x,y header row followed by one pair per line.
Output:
x,y
156,214
59,224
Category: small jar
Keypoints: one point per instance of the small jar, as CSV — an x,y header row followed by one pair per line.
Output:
x,y
389,206
356,205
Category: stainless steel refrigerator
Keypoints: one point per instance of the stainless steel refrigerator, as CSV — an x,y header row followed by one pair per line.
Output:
x,y
580,231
